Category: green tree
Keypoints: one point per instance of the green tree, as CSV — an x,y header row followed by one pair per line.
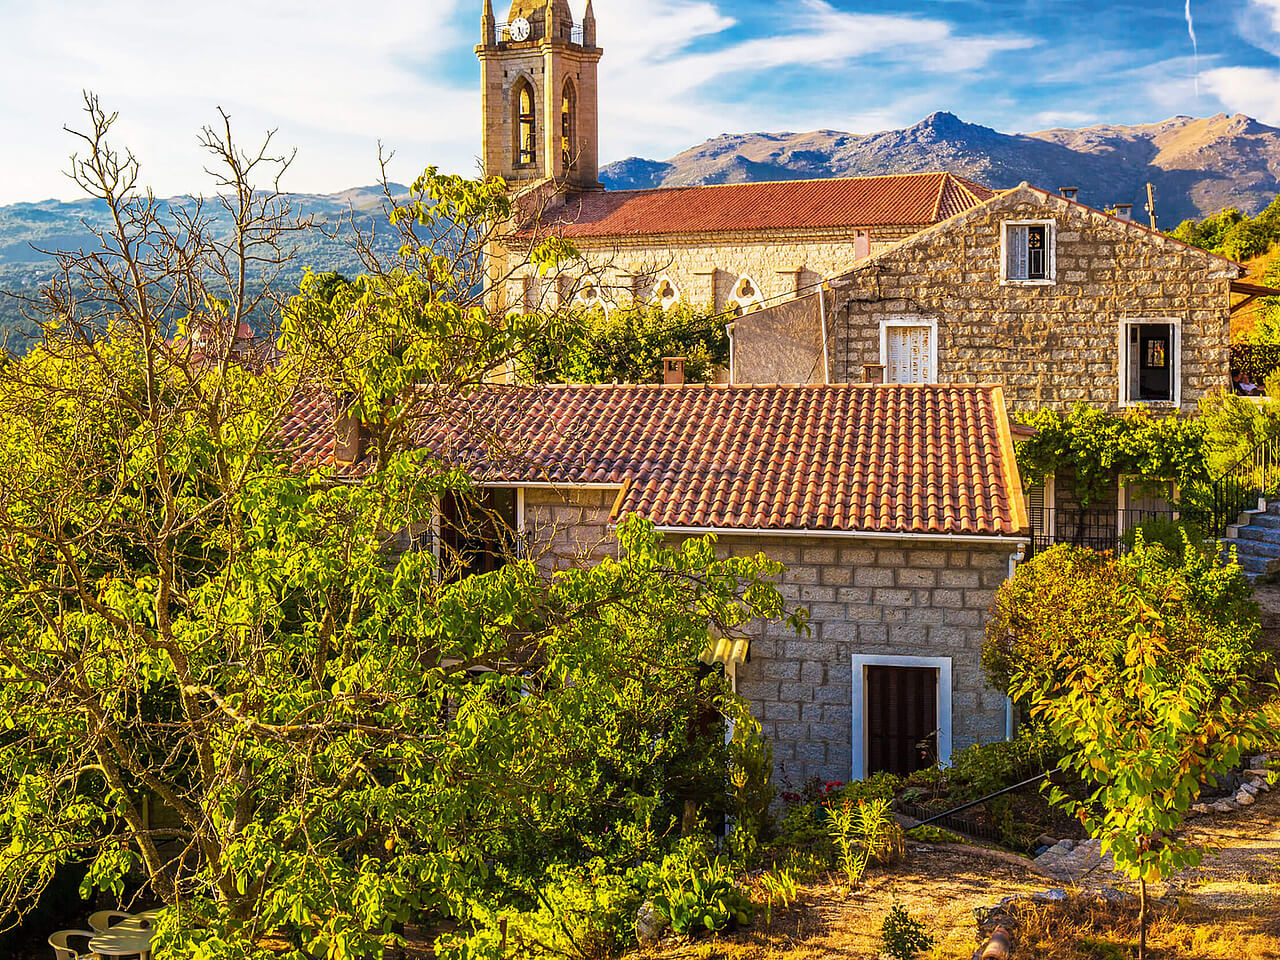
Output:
x,y
217,674
1072,599
1145,716
628,344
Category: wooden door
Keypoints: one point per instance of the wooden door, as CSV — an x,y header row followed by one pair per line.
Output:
x,y
901,719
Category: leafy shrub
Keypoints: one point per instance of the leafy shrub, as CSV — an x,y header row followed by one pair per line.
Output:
x,y
585,912
697,893
778,886
932,834
1173,536
880,786
750,786
804,829
902,936
1073,600
863,833
628,344
989,767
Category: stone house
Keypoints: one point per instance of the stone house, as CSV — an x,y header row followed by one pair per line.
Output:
x,y
1056,301
897,510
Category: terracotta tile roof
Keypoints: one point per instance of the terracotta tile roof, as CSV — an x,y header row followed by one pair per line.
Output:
x,y
915,200
851,457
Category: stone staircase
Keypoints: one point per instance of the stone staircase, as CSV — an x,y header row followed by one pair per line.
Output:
x,y
1256,538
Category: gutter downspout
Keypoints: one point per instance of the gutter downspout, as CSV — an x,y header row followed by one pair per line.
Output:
x,y
822,312
1015,558
733,353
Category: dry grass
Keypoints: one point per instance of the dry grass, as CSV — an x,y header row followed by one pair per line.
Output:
x,y
940,886
1083,929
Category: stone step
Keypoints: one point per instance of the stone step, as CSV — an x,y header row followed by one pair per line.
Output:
x,y
1258,548
1269,520
1262,566
1252,532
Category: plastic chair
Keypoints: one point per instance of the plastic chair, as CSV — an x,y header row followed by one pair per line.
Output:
x,y
104,920
64,951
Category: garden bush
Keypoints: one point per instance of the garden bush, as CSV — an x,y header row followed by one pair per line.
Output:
x,y
902,936
698,893
1073,599
986,768
587,912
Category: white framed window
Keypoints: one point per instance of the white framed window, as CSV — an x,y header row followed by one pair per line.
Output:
x,y
1029,253
1150,362
868,672
909,350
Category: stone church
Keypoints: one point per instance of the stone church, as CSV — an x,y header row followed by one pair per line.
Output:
x,y
736,247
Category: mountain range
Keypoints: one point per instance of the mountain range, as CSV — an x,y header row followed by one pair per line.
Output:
x,y
1197,165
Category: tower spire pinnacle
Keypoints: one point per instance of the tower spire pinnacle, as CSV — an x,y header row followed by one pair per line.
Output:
x,y
488,24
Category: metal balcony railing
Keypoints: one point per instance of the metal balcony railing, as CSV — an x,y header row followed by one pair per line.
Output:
x,y
1253,479
574,33
1100,530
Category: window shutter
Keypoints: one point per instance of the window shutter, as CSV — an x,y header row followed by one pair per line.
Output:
x,y
1035,510
1018,244
909,355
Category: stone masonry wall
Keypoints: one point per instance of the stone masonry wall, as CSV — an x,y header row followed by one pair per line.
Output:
x,y
1056,344
568,527
900,598
707,269
893,598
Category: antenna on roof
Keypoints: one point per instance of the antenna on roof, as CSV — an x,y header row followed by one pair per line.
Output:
x,y
1151,204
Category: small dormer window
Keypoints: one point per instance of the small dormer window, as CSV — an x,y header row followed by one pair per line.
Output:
x,y
1029,252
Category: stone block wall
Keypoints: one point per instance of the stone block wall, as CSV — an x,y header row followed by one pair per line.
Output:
x,y
1047,345
898,598
568,527
707,269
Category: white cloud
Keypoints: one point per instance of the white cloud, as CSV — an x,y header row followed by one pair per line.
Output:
x,y
1064,118
1253,90
660,68
335,78
331,77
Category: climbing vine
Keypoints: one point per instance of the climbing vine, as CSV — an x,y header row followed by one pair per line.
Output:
x,y
1089,448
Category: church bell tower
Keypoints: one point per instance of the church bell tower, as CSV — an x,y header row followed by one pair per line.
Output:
x,y
539,97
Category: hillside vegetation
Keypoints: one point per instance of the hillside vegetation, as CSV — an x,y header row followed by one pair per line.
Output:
x,y
29,231
1255,242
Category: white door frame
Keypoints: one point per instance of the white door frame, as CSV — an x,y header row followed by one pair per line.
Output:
x,y
860,664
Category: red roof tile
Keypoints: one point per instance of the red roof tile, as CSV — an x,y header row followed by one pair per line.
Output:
x,y
902,200
852,457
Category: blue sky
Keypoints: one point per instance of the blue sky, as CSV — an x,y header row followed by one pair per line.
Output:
x,y
335,78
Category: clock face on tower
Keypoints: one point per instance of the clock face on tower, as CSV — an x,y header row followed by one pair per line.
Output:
x,y
519,29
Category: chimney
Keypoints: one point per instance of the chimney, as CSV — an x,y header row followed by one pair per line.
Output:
x,y
673,371
1070,192
873,372
1124,211
348,439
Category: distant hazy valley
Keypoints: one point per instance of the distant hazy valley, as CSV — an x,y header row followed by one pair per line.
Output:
x,y
1198,166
